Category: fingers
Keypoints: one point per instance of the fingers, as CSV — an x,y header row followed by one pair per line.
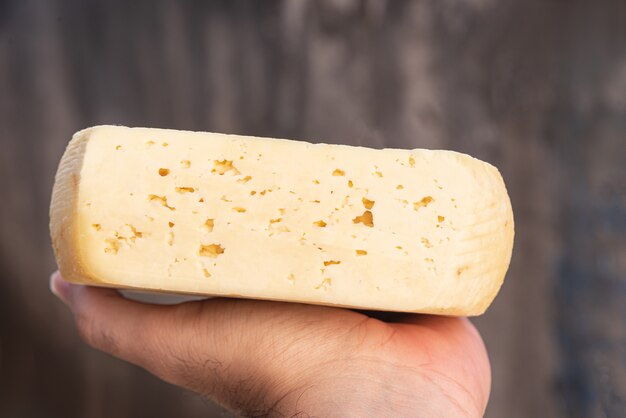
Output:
x,y
159,338
107,321
234,351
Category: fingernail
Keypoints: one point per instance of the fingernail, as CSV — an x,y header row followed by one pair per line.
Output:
x,y
60,288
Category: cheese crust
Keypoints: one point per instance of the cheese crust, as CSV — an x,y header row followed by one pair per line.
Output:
x,y
214,214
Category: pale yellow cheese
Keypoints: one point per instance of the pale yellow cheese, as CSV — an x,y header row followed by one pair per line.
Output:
x,y
204,213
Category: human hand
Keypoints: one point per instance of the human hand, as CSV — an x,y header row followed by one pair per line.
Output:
x,y
261,358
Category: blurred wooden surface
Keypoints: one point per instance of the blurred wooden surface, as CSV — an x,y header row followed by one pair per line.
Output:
x,y
536,88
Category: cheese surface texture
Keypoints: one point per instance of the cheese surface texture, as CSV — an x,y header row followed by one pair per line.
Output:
x,y
214,214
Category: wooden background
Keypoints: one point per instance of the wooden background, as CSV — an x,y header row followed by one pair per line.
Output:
x,y
538,88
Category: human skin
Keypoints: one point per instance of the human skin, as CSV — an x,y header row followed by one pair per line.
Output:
x,y
275,359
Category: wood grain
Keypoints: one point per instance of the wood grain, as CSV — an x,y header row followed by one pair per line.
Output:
x,y
536,88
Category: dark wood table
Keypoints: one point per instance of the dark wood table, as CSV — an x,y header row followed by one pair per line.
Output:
x,y
537,88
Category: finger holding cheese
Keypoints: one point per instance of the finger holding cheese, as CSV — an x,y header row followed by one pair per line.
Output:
x,y
203,213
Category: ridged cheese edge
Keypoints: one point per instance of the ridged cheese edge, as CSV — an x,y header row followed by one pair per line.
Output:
x,y
64,233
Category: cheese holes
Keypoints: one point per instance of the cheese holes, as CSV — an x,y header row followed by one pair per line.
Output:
x,y
134,232
366,219
460,270
222,167
162,200
112,246
368,204
404,202
207,226
422,203
211,250
325,284
426,243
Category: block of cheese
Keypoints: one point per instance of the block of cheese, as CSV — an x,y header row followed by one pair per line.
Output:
x,y
214,214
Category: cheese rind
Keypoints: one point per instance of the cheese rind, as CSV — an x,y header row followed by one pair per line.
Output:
x,y
214,214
